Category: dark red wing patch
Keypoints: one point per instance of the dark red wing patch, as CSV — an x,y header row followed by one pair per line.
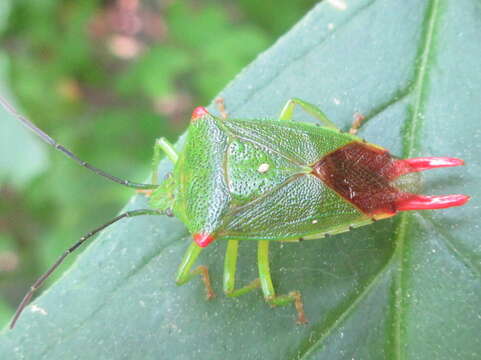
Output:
x,y
361,174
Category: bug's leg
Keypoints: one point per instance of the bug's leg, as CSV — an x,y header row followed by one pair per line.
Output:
x,y
230,265
162,145
268,287
219,102
288,110
39,282
185,274
356,124
53,143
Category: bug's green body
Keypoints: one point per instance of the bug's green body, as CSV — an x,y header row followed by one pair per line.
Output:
x,y
269,180
281,180
219,185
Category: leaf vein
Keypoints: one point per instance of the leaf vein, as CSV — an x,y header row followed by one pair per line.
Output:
x,y
352,306
448,241
411,138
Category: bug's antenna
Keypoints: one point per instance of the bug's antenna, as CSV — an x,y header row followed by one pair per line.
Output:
x,y
46,138
39,282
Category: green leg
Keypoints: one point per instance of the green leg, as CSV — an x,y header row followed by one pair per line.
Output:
x,y
288,110
162,145
230,265
268,288
185,274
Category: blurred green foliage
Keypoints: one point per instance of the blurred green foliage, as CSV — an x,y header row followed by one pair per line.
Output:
x,y
106,78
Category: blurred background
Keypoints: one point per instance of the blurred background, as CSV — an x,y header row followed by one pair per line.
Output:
x,y
105,78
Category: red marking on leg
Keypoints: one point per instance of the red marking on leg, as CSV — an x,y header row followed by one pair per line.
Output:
x,y
199,112
203,240
422,202
406,166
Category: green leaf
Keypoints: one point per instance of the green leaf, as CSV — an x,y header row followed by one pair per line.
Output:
x,y
406,288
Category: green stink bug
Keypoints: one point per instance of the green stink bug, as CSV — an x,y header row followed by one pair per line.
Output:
x,y
269,180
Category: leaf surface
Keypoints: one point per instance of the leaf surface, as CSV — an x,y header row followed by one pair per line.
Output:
x,y
405,288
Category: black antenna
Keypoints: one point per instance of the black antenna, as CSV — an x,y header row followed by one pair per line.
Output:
x,y
39,282
46,138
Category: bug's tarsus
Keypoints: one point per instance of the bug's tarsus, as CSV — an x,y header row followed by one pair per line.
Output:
x,y
357,123
220,103
299,305
49,140
39,282
204,275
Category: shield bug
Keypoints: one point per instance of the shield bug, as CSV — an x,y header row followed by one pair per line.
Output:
x,y
269,180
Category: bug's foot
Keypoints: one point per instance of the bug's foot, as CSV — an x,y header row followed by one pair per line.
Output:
x,y
292,297
356,124
219,102
204,274
299,305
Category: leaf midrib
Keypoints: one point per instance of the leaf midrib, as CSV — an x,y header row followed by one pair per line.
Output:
x,y
410,140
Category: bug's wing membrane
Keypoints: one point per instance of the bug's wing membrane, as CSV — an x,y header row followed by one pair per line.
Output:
x,y
299,207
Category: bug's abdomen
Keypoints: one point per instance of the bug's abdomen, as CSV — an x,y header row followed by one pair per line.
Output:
x,y
363,175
